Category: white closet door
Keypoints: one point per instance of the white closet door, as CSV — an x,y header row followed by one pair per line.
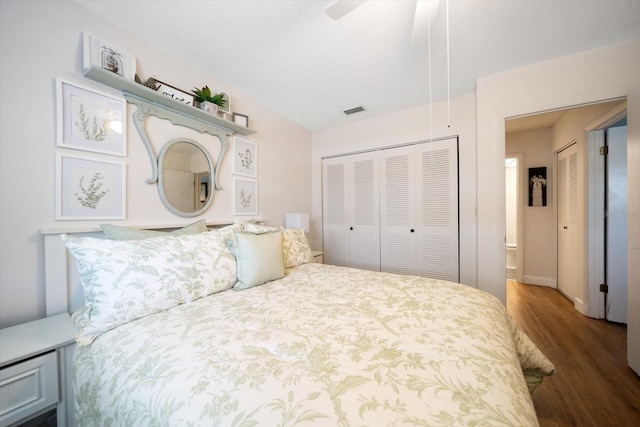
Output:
x,y
568,221
419,210
397,206
334,211
351,224
436,224
394,210
364,206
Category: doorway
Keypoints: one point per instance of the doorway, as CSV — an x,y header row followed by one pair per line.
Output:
x,y
560,129
514,222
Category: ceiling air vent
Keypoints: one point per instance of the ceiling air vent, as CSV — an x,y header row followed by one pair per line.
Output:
x,y
354,110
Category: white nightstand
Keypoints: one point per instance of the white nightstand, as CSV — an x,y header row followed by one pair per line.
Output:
x,y
318,257
33,369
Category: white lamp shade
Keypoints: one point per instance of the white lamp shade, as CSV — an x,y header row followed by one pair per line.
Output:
x,y
297,220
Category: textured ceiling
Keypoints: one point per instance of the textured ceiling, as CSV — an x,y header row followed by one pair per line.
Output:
x,y
293,58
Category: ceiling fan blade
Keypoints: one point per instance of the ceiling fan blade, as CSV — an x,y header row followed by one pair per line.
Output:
x,y
423,19
339,8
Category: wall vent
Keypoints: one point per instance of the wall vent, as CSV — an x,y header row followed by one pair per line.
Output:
x,y
354,110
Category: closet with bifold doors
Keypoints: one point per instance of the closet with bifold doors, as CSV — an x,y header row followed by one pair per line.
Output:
x,y
394,209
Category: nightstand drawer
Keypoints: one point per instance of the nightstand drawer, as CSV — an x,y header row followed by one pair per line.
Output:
x,y
28,387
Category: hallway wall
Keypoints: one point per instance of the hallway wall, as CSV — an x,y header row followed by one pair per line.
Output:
x,y
538,242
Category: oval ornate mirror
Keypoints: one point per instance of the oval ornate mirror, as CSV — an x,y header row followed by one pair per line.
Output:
x,y
185,176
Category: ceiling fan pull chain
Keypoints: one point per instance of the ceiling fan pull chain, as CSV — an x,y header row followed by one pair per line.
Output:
x,y
448,71
429,60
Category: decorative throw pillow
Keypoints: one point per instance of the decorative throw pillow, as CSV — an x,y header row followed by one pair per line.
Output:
x,y
295,247
228,234
258,258
117,232
126,280
250,227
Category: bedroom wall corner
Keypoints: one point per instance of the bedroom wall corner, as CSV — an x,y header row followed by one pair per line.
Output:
x,y
538,244
50,46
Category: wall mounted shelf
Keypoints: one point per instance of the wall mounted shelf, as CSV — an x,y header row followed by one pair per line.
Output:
x,y
152,103
127,86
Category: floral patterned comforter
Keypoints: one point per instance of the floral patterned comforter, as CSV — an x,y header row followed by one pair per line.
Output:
x,y
325,345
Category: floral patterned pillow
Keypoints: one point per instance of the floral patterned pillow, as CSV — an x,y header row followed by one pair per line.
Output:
x,y
126,280
295,247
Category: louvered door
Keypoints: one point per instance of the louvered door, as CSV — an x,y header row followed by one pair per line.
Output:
x,y
394,210
436,224
351,211
419,210
568,221
397,207
364,203
334,212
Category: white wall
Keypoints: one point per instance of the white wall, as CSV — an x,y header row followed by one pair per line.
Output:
x,y
41,40
604,73
511,189
402,127
538,243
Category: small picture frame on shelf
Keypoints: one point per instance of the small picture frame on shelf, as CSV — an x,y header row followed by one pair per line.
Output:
x,y
90,120
227,103
89,188
175,93
96,52
240,119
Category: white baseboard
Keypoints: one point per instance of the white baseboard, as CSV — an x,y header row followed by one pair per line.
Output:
x,y
580,306
540,281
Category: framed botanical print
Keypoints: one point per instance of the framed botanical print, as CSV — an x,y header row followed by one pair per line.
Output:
x,y
102,54
90,120
245,196
88,188
245,157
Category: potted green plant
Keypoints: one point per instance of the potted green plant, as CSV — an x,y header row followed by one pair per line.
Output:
x,y
207,101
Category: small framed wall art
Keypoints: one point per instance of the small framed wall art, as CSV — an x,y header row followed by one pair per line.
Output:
x,y
96,52
88,188
245,199
240,119
245,157
175,93
90,120
538,186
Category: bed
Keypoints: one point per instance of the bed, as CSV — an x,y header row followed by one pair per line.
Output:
x,y
220,342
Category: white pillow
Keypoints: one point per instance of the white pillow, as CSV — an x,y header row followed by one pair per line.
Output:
x,y
126,280
258,258
295,247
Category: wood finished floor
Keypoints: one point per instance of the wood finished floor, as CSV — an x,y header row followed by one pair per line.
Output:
x,y
593,385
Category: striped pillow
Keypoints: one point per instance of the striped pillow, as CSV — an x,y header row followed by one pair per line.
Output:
x,y
116,232
258,259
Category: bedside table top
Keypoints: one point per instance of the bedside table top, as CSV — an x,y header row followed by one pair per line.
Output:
x,y
29,339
